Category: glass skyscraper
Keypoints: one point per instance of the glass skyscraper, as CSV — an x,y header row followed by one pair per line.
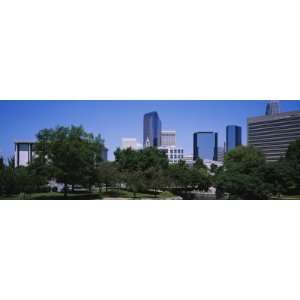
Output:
x,y
152,130
272,108
205,145
233,137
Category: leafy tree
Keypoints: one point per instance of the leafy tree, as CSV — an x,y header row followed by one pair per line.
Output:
x,y
199,164
107,174
291,165
142,160
149,164
199,179
135,182
243,174
69,154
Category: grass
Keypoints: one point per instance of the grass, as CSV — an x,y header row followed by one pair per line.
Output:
x,y
294,197
112,193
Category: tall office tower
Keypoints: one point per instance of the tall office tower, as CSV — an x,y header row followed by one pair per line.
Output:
x,y
24,153
233,137
205,145
221,153
272,108
274,133
168,138
152,130
104,153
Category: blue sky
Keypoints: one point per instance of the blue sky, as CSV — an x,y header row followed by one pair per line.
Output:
x,y
21,120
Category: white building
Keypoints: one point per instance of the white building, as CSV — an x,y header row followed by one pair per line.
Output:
x,y
130,143
188,158
24,153
209,163
168,138
174,154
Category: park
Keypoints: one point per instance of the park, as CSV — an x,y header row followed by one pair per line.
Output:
x,y
70,157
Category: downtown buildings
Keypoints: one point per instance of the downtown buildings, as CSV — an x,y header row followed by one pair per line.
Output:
x,y
273,133
272,108
152,130
130,143
233,137
163,140
168,145
205,145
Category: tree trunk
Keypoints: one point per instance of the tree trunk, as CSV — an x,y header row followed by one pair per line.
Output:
x,y
65,191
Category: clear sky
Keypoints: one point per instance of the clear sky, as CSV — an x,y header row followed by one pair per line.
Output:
x,y
21,120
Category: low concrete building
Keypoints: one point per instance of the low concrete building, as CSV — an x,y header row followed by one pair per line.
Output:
x,y
209,163
24,153
174,154
188,158
130,143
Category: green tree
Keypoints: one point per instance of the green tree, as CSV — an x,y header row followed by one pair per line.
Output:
x,y
199,179
243,174
69,154
149,164
293,164
107,174
135,182
199,164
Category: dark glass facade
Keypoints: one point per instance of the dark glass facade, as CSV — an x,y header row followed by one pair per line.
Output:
x,y
152,130
205,145
233,137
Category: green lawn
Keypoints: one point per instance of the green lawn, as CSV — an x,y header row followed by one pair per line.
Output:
x,y
113,193
294,197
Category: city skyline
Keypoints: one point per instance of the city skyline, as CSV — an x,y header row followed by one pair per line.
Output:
x,y
21,120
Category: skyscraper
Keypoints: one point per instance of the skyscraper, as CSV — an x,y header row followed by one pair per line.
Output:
x,y
205,145
273,134
233,137
221,154
152,130
272,108
168,138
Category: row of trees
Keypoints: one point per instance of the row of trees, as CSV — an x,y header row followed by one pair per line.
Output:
x,y
247,175
71,156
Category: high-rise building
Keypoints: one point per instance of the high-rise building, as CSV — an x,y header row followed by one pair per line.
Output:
x,y
221,153
273,134
272,108
168,138
24,153
233,137
104,153
205,145
152,130
130,143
